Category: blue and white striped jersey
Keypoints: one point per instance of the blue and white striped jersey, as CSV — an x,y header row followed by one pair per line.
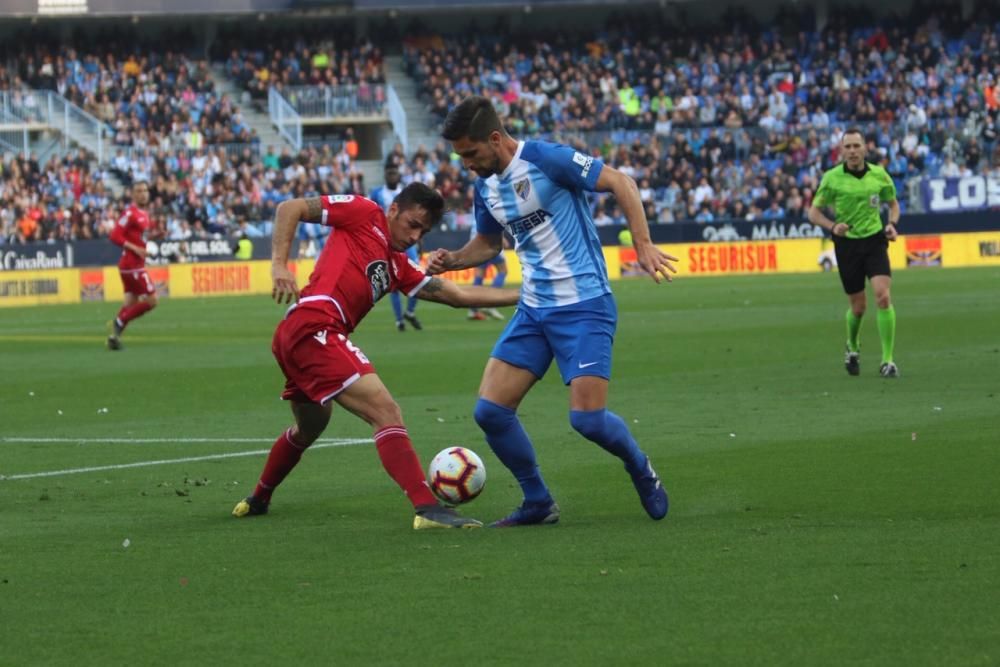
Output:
x,y
540,200
383,195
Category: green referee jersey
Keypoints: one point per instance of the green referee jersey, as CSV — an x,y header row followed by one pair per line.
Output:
x,y
855,198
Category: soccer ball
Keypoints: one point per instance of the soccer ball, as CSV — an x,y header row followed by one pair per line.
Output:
x,y
456,475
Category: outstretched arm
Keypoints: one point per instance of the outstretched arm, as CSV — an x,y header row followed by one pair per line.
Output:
x,y
653,261
284,289
478,250
444,291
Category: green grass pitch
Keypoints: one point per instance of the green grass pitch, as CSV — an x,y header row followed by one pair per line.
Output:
x,y
816,519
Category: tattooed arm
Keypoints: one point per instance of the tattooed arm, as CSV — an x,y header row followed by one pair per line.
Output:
x,y
286,221
467,296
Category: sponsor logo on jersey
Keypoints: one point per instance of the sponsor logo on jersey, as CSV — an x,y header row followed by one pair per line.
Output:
x,y
378,277
340,199
523,188
873,201
526,223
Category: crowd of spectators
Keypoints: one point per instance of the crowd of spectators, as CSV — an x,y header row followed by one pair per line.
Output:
x,y
200,194
60,200
145,96
312,57
740,123
733,125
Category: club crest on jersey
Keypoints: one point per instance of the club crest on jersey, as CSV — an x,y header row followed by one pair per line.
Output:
x,y
523,188
378,277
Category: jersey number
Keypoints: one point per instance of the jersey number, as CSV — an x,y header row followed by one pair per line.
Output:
x,y
355,349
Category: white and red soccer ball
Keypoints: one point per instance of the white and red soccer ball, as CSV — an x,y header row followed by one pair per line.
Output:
x,y
456,475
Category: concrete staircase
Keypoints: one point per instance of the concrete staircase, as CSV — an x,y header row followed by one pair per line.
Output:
x,y
258,120
422,127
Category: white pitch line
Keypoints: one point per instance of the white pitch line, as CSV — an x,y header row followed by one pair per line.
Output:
x,y
351,441
188,459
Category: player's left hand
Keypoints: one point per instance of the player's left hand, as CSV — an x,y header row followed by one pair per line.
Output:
x,y
284,288
655,262
437,262
890,232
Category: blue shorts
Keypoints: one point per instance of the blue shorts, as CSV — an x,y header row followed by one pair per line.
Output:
x,y
579,337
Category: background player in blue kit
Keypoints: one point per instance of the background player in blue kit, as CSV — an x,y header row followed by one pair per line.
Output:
x,y
535,191
499,264
384,195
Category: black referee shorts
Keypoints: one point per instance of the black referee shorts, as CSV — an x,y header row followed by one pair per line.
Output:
x,y
858,259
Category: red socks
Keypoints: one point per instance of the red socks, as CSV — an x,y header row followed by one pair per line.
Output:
x,y
401,462
285,454
394,449
129,313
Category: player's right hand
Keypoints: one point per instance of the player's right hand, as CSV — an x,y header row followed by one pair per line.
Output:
x,y
284,288
438,261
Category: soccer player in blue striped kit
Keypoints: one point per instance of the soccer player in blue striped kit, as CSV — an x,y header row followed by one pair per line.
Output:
x,y
536,192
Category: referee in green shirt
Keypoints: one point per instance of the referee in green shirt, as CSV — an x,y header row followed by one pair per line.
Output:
x,y
854,191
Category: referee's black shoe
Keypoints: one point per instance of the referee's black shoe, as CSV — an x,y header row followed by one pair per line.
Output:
x,y
852,362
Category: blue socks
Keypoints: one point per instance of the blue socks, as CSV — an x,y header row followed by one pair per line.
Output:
x,y
510,443
609,431
397,305
477,279
498,279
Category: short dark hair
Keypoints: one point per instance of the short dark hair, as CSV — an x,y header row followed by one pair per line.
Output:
x,y
855,130
474,118
418,194
141,181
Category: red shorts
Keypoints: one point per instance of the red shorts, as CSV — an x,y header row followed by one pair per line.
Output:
x,y
136,281
318,361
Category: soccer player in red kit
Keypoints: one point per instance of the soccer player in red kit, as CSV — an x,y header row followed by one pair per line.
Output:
x,y
140,293
363,260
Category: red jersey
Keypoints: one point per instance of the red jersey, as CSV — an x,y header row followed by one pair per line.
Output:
x,y
131,227
357,266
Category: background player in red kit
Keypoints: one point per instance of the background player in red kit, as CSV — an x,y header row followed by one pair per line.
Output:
x,y
140,293
363,260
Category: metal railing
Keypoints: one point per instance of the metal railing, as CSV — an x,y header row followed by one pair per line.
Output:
x,y
46,107
285,118
14,134
335,101
397,116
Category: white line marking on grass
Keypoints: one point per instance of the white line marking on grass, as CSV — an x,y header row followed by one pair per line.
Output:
x,y
129,441
321,444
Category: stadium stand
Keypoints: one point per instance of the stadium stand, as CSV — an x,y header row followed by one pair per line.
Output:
x,y
734,125
738,125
